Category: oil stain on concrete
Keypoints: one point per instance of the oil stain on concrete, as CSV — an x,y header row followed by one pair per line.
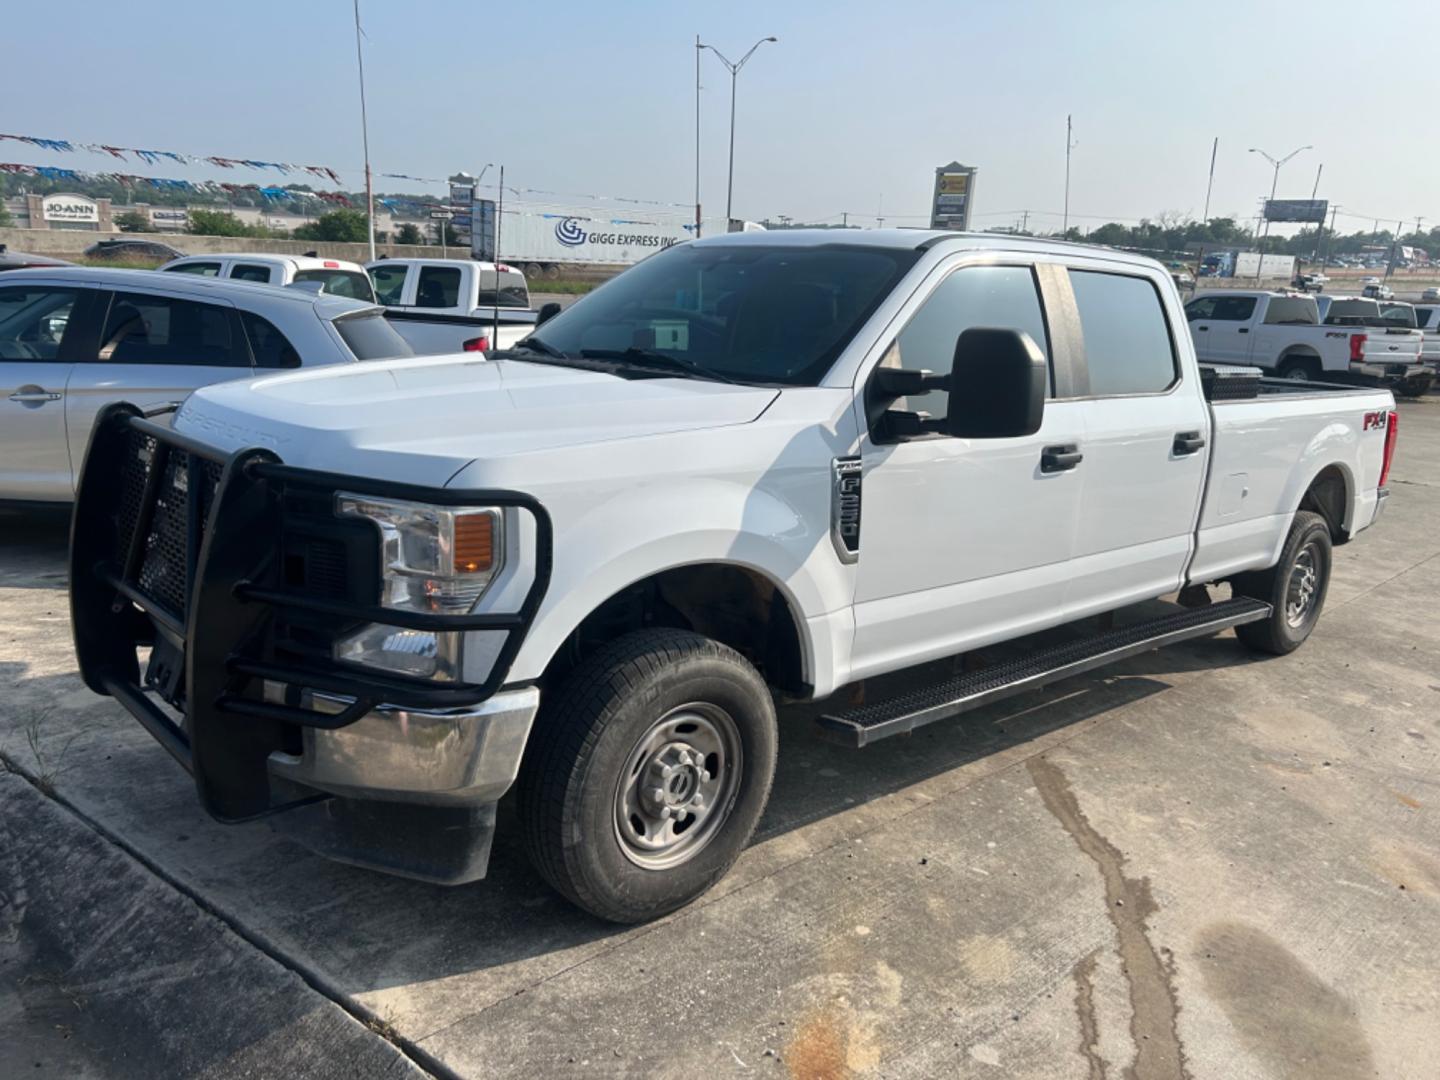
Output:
x,y
1128,902
1284,1014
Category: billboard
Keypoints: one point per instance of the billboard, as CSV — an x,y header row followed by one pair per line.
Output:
x,y
1312,211
69,208
954,193
482,235
462,195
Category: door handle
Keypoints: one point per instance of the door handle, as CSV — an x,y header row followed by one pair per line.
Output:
x,y
34,397
1202,329
1187,442
1244,330
1060,458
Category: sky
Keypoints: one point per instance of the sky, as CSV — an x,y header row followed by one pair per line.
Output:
x,y
850,111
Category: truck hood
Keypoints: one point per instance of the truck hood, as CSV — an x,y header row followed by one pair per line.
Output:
x,y
419,420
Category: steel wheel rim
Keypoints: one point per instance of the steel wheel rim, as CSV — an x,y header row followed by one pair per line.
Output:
x,y
1302,587
678,786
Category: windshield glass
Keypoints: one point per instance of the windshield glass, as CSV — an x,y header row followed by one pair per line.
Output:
x,y
1398,315
769,314
1352,313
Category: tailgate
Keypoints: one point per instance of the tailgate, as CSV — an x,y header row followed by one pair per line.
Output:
x,y
1391,346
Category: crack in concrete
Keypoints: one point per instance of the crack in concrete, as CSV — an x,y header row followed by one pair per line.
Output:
x,y
1085,1009
1128,903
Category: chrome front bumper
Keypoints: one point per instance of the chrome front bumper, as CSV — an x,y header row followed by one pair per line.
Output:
x,y
455,758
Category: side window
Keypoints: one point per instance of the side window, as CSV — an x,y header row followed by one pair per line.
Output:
x,y
1234,308
251,272
1203,308
268,345
1127,340
349,283
142,329
1004,296
33,321
389,283
203,269
439,287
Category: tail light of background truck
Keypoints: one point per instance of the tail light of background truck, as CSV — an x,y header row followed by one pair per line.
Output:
x,y
477,344
1357,346
1392,431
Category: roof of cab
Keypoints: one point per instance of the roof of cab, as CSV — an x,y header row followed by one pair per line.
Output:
x,y
916,239
326,305
300,262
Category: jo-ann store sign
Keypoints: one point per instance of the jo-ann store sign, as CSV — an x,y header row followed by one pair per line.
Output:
x,y
70,208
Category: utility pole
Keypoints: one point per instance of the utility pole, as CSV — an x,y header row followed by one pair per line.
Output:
x,y
698,49
844,219
1210,184
1069,145
1025,221
1324,252
880,212
1313,192
365,136
499,214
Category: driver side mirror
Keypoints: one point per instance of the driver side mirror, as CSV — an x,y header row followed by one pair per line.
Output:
x,y
547,312
997,385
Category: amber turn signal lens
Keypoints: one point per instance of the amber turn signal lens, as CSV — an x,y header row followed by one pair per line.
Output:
x,y
474,543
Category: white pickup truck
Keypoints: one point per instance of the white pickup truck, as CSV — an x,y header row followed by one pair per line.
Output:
x,y
453,305
365,602
1285,332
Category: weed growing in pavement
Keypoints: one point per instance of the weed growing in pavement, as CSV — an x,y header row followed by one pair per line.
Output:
x,y
48,765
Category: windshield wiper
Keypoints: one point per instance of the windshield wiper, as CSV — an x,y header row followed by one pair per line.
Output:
x,y
534,344
649,358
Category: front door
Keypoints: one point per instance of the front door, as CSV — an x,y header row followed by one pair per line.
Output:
x,y
153,350
964,541
35,331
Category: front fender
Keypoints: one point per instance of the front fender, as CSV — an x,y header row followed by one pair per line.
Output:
x,y
615,542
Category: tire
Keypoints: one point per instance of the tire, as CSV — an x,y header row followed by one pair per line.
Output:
x,y
603,820
1284,588
1414,388
1299,368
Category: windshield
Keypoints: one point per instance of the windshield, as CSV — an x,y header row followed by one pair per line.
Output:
x,y
1352,313
769,314
349,283
1401,316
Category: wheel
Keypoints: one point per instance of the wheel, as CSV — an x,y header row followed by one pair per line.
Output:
x,y
1298,368
1414,388
646,775
1294,588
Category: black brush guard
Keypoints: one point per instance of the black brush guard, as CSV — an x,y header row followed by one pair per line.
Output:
x,y
192,568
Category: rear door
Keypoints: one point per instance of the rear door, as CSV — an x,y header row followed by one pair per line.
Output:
x,y
153,349
1146,427
39,326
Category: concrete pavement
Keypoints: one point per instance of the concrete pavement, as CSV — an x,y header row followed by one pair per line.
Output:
x,y
1197,864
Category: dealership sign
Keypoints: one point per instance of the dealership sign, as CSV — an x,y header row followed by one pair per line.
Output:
x,y
954,190
1304,210
69,208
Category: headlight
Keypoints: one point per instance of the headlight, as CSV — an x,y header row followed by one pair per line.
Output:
x,y
435,559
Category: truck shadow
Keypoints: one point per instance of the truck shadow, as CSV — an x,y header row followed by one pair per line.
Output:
x,y
34,547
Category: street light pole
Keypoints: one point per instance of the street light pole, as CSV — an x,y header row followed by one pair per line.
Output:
x,y
365,137
1274,184
734,69
698,48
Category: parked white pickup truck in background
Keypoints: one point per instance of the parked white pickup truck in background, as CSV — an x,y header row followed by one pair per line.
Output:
x,y
1285,332
755,466
335,276
453,305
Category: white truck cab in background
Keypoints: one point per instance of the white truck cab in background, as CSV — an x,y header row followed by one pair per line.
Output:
x,y
453,305
335,276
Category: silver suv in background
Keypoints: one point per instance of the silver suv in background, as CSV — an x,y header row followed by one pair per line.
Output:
x,y
75,339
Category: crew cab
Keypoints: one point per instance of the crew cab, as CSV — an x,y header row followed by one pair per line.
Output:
x,y
335,276
1285,332
754,467
75,339
453,305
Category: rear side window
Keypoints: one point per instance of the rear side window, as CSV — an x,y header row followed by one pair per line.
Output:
x,y
438,287
512,292
141,329
340,283
1423,317
268,345
203,269
1003,296
371,337
250,272
33,321
389,282
1127,340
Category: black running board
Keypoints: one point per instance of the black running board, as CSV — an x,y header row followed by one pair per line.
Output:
x,y
950,697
